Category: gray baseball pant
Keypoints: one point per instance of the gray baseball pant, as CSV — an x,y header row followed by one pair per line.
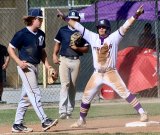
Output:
x,y
30,94
68,71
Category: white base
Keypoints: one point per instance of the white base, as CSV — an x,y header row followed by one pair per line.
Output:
x,y
142,124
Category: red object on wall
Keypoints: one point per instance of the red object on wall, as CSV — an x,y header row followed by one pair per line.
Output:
x,y
137,67
108,93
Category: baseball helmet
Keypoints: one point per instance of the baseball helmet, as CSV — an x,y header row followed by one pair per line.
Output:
x,y
104,23
73,14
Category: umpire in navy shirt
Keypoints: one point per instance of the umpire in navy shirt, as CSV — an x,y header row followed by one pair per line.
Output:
x,y
69,65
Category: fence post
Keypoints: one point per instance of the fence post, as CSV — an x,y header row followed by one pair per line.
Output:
x,y
44,69
157,45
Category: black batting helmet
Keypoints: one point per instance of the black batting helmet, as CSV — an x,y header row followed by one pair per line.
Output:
x,y
104,23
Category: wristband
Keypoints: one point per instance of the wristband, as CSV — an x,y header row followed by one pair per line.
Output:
x,y
66,19
136,16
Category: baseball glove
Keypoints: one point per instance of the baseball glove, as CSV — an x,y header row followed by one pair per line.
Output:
x,y
76,39
52,75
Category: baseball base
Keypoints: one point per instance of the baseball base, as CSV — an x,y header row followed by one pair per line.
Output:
x,y
142,124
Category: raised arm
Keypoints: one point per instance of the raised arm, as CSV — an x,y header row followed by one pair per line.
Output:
x,y
74,24
64,17
124,28
86,34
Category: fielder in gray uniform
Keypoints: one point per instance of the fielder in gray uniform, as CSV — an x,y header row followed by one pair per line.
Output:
x,y
69,64
30,43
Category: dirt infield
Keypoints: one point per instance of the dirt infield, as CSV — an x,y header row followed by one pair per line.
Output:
x,y
94,125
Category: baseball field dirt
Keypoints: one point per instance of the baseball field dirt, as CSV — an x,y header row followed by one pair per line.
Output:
x,y
96,125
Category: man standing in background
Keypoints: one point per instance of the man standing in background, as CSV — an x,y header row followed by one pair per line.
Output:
x,y
69,64
147,39
4,60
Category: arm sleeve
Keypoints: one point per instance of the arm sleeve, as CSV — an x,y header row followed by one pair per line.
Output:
x,y
17,40
116,37
86,34
58,37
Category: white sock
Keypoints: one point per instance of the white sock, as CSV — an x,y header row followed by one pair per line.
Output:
x,y
82,119
141,111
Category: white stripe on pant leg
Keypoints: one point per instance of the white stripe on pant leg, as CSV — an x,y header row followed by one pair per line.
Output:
x,y
33,94
22,107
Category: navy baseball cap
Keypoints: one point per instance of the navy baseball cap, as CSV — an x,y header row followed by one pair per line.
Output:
x,y
73,14
35,13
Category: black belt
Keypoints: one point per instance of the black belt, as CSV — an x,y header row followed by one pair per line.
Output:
x,y
72,57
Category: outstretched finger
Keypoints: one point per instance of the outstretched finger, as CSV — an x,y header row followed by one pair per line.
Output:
x,y
59,13
141,9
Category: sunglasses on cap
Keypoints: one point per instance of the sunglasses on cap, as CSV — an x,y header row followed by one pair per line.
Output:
x,y
77,20
103,27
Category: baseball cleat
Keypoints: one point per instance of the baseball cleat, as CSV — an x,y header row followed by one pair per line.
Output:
x,y
144,117
78,124
48,124
68,116
63,116
20,128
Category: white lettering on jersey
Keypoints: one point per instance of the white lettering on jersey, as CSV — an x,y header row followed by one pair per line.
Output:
x,y
41,40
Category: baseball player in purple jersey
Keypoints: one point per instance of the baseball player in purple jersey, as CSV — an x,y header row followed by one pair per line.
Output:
x,y
30,43
104,49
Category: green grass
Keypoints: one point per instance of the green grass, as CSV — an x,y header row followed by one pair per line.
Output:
x,y
97,111
107,110
7,116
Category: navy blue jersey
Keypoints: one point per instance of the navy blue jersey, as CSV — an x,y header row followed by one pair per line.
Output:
x,y
3,54
29,45
64,36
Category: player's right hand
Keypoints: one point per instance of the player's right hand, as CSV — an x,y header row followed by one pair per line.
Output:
x,y
140,10
56,60
61,15
74,47
23,64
